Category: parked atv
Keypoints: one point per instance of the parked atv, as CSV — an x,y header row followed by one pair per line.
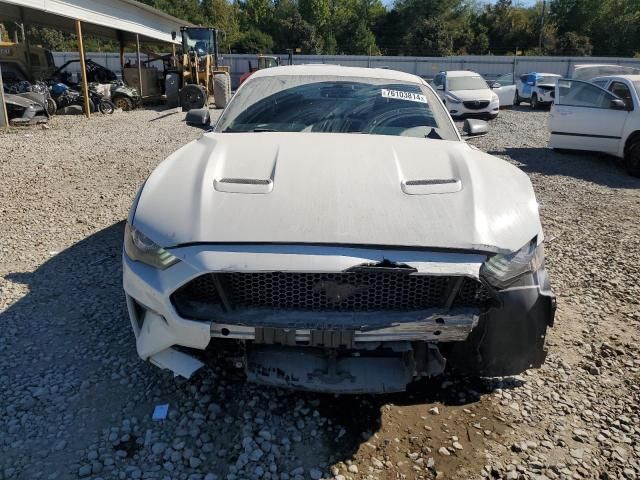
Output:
x,y
124,97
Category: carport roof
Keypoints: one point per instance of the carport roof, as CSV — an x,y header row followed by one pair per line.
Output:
x,y
103,18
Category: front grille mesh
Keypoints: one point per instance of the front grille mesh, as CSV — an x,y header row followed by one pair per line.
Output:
x,y
345,291
476,105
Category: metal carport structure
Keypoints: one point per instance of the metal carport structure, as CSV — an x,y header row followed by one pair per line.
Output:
x,y
126,21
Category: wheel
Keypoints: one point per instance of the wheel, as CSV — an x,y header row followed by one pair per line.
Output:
x,y
52,106
534,102
106,107
123,102
516,99
193,96
221,89
632,158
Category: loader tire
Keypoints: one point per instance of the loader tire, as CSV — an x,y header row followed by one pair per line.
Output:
x,y
193,96
221,89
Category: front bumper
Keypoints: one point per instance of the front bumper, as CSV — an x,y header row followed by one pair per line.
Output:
x,y
505,339
459,110
545,96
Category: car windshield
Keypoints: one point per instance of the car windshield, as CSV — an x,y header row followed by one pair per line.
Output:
x,y
548,79
466,83
336,104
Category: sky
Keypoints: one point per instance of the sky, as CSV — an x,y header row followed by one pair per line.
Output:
x,y
526,3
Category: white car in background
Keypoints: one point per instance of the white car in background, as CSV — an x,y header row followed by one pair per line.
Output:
x,y
505,88
536,88
602,115
335,233
466,94
593,70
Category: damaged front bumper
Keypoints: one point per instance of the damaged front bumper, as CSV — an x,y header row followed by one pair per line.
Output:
x,y
341,351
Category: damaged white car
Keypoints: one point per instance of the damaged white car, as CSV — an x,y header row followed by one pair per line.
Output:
x,y
334,233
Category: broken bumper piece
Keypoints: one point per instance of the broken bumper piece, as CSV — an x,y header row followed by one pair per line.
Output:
x,y
345,372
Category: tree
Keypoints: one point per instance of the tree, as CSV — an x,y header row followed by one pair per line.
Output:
x,y
573,44
253,41
428,37
315,12
295,33
363,41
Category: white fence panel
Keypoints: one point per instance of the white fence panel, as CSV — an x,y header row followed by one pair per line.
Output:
x,y
426,67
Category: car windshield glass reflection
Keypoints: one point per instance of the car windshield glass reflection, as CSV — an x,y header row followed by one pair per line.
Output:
x,y
338,106
466,83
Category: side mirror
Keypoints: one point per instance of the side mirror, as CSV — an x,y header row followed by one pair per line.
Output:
x,y
495,85
617,104
440,87
198,117
474,128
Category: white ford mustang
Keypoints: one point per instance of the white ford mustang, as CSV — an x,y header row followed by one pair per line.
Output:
x,y
334,233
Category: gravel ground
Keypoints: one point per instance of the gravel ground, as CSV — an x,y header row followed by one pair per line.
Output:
x,y
76,402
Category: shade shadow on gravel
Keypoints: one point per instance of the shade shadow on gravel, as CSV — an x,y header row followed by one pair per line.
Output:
x,y
593,167
73,321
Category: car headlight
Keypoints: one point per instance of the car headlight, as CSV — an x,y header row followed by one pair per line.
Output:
x,y
451,99
501,270
141,248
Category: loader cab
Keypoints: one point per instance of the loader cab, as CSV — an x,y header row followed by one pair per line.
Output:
x,y
200,40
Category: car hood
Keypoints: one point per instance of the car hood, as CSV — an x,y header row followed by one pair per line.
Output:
x,y
348,189
471,95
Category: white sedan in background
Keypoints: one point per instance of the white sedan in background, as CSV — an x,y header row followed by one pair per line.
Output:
x,y
466,94
602,116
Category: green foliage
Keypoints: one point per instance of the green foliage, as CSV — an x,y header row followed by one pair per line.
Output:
x,y
572,44
253,41
407,27
428,37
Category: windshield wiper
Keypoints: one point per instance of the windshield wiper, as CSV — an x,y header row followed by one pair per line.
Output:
x,y
259,129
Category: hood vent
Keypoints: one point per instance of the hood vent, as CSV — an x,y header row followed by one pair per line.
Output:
x,y
429,186
243,185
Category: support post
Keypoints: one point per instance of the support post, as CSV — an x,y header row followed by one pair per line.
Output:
x,y
83,70
27,45
139,66
121,42
4,116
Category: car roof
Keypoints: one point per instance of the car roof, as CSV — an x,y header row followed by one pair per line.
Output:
x,y
321,69
539,74
631,78
461,73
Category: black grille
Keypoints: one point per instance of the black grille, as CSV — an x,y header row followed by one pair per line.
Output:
x,y
476,104
347,291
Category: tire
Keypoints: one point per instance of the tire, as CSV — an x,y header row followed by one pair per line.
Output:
x,y
106,107
516,99
123,102
534,102
221,89
193,96
52,106
632,158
